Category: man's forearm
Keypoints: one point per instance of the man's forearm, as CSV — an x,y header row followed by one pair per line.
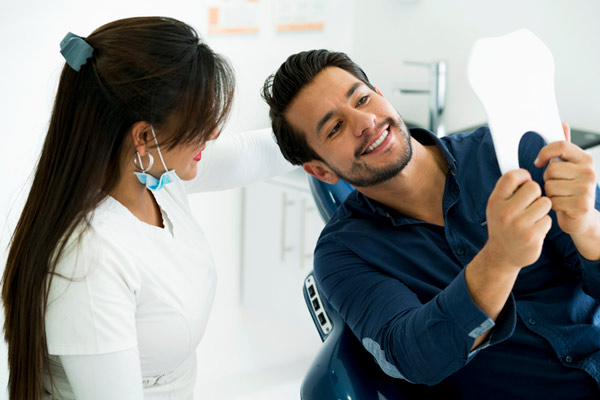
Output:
x,y
489,284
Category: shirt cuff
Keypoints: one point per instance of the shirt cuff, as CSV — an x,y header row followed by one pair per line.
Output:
x,y
503,328
471,319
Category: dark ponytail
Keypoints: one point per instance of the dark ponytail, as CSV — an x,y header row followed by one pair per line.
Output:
x,y
143,69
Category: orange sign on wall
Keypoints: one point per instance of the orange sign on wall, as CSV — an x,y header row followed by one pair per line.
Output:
x,y
226,17
300,15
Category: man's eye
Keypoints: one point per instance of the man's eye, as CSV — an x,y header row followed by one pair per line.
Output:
x,y
362,100
335,129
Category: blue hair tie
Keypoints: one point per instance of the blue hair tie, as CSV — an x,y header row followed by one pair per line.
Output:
x,y
75,50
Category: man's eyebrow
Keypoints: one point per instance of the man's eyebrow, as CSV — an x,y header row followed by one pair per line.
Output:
x,y
351,91
323,121
327,116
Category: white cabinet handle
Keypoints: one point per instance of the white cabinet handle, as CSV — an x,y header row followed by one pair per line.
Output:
x,y
285,203
304,254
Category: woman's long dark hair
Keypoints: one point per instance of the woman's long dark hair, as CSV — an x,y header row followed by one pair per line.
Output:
x,y
150,69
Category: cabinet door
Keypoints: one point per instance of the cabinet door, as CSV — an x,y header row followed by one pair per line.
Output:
x,y
311,226
281,227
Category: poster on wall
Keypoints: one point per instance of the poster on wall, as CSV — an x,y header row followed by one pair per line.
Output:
x,y
234,17
300,15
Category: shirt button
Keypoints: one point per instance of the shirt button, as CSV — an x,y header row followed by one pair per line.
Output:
x,y
460,251
531,321
568,359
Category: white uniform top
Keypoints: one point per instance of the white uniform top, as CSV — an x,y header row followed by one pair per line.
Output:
x,y
127,321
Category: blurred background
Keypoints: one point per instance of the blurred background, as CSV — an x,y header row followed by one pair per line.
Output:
x,y
260,339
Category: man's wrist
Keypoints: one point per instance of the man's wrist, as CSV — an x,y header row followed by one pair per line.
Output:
x,y
495,261
490,279
588,241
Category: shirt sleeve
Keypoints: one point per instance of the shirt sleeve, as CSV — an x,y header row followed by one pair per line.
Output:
x,y
105,376
238,160
421,342
92,300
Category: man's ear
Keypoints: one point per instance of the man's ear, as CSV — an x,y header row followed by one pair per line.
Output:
x,y
140,136
321,171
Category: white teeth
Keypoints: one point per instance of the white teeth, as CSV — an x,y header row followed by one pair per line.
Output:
x,y
378,141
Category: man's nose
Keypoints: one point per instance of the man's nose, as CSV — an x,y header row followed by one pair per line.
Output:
x,y
364,122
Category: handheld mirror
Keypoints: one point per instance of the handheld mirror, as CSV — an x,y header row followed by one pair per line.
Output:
x,y
513,77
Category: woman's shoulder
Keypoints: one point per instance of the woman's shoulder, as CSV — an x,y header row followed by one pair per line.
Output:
x,y
100,240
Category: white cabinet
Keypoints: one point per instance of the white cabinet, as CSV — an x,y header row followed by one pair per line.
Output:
x,y
281,227
268,340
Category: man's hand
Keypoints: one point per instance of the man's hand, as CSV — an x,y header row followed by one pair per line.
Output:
x,y
570,184
518,220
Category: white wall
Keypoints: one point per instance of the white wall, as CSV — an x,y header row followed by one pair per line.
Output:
x,y
388,32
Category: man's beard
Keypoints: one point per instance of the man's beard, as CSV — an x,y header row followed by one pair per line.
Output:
x,y
362,175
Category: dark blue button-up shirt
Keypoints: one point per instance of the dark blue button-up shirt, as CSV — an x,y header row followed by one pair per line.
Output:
x,y
399,284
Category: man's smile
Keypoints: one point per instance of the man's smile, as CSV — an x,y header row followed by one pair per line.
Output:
x,y
377,141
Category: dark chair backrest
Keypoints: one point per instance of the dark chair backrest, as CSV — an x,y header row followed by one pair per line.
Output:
x,y
343,368
328,197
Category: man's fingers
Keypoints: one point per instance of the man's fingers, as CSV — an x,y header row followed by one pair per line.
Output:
x,y
571,205
558,188
562,170
525,195
564,150
544,224
508,184
563,188
538,209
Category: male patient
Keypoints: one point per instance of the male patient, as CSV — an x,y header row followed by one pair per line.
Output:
x,y
445,270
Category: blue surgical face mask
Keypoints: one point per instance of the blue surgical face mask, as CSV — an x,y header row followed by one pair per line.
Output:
x,y
155,184
151,182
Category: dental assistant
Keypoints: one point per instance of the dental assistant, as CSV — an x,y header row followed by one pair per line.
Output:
x,y
109,280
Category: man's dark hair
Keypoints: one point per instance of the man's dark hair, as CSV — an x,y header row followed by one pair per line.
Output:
x,y
281,88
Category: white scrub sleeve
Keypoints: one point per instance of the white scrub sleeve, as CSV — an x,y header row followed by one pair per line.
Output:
x,y
92,311
238,160
105,376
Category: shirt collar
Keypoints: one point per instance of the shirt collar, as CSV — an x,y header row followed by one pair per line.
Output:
x,y
426,138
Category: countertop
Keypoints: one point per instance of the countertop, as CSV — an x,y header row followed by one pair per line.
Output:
x,y
582,138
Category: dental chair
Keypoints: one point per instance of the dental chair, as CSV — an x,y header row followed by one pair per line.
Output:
x,y
343,368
